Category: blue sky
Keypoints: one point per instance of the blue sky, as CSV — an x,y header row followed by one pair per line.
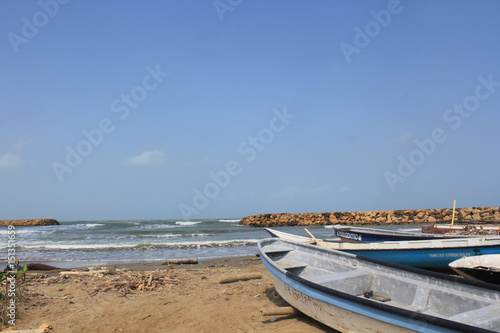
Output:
x,y
200,109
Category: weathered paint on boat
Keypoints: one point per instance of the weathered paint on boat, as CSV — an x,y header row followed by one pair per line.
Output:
x,y
329,286
361,234
462,229
483,268
332,315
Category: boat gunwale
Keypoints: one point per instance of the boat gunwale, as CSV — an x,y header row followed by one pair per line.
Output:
x,y
421,317
395,233
416,244
486,241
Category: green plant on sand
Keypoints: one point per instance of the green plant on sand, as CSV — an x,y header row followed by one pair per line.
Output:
x,y
16,273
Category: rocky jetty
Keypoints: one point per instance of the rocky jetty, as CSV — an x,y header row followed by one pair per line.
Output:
x,y
28,222
403,216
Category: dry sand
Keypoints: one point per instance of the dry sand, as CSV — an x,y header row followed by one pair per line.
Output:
x,y
186,298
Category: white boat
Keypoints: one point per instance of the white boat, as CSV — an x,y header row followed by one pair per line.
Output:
x,y
483,268
351,293
285,235
467,229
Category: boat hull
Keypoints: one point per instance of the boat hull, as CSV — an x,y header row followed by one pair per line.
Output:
x,y
360,234
330,286
469,229
336,317
429,253
479,274
484,268
426,258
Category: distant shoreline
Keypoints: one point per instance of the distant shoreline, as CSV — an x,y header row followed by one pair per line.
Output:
x,y
28,222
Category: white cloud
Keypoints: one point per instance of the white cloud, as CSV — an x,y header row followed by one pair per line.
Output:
x,y
152,157
10,160
19,145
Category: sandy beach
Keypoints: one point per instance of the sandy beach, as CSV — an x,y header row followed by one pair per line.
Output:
x,y
170,298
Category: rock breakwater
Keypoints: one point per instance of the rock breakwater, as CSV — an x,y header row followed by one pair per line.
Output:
x,y
402,216
28,222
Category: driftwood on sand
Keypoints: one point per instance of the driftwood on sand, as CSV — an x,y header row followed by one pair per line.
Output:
x,y
279,311
180,262
240,277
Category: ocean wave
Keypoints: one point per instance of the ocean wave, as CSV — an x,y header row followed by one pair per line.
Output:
x,y
141,246
230,221
157,226
160,236
89,225
27,231
176,235
187,223
75,246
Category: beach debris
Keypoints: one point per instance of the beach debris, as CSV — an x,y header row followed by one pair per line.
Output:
x,y
45,326
279,311
105,279
180,262
240,277
41,267
37,330
95,273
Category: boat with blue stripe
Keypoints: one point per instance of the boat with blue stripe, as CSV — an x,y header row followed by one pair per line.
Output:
x,y
352,293
430,253
364,234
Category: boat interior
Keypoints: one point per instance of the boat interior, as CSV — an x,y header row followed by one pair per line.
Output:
x,y
391,286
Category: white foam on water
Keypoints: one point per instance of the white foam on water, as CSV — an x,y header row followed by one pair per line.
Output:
x,y
188,223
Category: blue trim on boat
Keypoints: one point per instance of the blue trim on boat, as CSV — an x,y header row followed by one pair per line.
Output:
x,y
424,319
377,310
426,257
475,283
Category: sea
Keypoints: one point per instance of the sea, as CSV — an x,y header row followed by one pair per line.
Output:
x,y
96,243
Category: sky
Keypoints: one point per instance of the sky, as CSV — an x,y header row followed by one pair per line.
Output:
x,y
122,109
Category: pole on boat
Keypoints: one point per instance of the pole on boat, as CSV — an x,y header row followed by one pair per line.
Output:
x,y
312,236
453,214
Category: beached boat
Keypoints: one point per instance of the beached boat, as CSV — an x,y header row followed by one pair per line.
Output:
x,y
432,253
357,294
295,238
362,234
467,229
484,268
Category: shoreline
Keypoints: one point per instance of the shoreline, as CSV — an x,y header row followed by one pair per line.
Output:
x,y
182,298
138,265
